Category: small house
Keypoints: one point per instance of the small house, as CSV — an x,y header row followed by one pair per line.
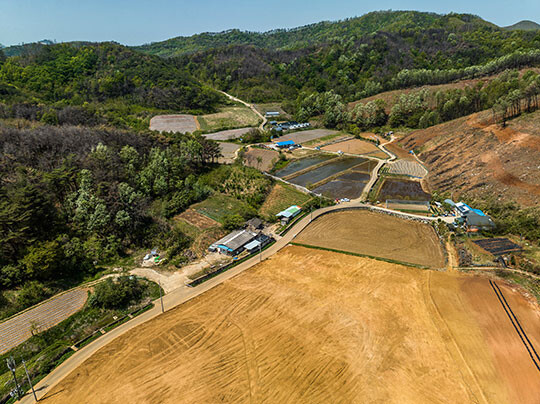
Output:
x,y
475,222
261,241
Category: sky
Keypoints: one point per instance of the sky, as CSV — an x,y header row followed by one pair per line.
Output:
x,y
135,22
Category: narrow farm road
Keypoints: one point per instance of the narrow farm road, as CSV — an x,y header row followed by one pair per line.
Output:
x,y
375,172
250,106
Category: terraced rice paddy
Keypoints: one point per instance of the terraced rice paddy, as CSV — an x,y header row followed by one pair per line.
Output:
x,y
325,171
402,189
410,168
302,164
349,185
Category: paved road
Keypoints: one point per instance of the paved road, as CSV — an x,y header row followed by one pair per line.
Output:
x,y
183,294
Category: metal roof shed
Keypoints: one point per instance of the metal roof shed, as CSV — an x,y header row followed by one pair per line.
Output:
x,y
285,143
291,211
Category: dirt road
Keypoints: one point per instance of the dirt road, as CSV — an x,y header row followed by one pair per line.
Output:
x,y
250,106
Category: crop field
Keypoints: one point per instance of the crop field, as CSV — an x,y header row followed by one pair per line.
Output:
x,y
281,197
306,135
410,168
228,150
404,205
261,159
498,246
228,118
301,164
321,173
174,123
218,206
198,220
376,235
228,134
349,185
312,326
402,189
357,146
19,328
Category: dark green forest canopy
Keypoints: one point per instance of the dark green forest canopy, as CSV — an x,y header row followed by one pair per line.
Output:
x,y
75,74
357,57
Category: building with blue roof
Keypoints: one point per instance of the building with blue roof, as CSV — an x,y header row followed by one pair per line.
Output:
x,y
285,143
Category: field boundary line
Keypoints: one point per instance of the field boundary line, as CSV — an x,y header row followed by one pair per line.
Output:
x,y
389,260
514,321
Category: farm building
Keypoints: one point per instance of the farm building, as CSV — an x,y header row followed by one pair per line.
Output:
x,y
233,243
272,113
476,222
462,208
254,224
285,144
289,213
450,202
260,242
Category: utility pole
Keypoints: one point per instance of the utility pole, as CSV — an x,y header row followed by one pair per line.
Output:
x,y
29,381
13,367
161,297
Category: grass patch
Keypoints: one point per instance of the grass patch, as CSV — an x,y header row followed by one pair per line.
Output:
x,y
281,197
323,139
218,206
228,118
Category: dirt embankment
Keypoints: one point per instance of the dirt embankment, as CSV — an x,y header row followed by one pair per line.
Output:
x,y
473,155
310,326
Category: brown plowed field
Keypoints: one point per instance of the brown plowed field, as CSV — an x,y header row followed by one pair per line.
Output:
x,y
198,220
267,158
376,235
174,123
357,146
309,326
473,156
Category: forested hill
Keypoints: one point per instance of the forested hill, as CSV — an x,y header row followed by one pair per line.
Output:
x,y
524,25
322,32
99,78
358,57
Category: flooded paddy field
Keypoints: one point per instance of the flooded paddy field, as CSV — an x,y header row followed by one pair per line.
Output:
x,y
349,185
299,165
402,189
325,171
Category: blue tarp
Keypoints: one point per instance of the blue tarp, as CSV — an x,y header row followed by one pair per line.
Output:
x,y
286,143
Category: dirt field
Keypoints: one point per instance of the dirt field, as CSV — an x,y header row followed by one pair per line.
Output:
x,y
174,123
306,135
377,235
393,188
267,158
228,134
357,146
198,220
473,156
280,333
228,150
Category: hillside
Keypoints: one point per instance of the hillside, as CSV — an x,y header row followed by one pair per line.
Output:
x,y
104,82
326,31
472,156
525,25
355,58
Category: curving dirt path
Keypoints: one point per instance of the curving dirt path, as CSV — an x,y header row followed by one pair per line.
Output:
x,y
250,106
